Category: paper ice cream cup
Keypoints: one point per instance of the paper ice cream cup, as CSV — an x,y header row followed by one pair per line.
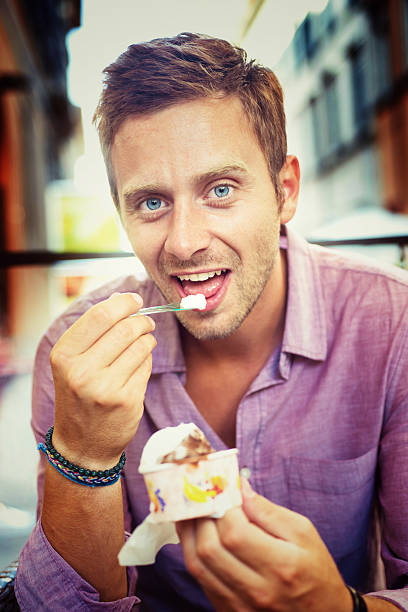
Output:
x,y
180,491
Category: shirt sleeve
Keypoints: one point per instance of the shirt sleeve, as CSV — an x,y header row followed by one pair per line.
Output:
x,y
393,480
45,581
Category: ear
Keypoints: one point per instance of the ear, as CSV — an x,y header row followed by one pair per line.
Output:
x,y
290,181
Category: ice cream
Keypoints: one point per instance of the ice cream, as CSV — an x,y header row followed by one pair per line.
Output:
x,y
184,443
197,301
185,477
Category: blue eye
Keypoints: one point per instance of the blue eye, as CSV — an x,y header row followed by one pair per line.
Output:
x,y
153,203
221,191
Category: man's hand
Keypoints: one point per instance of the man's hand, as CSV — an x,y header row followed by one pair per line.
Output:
x,y
263,557
101,366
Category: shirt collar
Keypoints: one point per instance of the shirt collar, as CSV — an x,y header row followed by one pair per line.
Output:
x,y
305,323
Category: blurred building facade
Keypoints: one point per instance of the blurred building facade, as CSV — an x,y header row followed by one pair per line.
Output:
x,y
36,123
345,78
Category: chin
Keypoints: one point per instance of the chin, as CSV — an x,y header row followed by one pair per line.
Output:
x,y
207,329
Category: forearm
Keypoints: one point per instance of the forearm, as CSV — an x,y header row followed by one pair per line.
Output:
x,y
85,526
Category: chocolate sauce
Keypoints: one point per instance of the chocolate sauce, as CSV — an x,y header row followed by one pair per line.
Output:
x,y
192,449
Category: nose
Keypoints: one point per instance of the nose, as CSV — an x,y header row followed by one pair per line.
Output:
x,y
187,232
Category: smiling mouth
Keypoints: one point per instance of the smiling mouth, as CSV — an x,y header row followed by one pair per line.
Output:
x,y
200,276
208,283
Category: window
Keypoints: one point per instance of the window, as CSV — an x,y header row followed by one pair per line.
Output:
x,y
315,105
358,66
331,112
382,52
324,112
306,40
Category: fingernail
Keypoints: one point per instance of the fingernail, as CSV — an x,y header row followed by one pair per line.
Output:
x,y
137,298
151,321
245,472
247,490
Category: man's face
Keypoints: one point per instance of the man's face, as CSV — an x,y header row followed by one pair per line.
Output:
x,y
200,210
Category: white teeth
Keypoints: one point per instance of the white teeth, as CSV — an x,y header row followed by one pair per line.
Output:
x,y
203,276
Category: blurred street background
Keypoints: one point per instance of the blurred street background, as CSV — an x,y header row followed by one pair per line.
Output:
x,y
343,65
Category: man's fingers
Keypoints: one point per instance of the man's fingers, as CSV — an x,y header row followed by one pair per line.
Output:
x,y
97,321
135,388
250,543
222,576
130,360
123,382
233,554
118,340
276,520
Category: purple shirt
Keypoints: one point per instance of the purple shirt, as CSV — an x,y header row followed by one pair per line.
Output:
x,y
323,429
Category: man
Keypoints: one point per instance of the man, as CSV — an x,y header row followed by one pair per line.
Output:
x,y
300,360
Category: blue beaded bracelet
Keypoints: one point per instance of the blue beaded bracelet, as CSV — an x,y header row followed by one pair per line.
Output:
x,y
76,473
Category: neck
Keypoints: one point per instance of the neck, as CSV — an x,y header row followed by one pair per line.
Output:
x,y
259,334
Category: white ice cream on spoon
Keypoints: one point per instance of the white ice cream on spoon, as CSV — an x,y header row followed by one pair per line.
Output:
x,y
189,302
197,301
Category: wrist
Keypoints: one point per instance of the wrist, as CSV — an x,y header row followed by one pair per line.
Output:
x,y
80,474
358,602
93,459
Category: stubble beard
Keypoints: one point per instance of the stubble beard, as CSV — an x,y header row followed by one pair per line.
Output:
x,y
249,284
248,287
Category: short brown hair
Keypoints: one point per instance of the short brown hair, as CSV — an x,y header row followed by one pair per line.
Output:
x,y
154,75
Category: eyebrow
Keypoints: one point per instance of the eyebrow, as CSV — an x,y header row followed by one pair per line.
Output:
x,y
215,173
135,192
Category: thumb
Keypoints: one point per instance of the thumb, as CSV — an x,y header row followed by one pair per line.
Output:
x,y
258,509
271,518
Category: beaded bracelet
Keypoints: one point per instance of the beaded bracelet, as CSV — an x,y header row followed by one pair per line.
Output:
x,y
359,605
80,475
